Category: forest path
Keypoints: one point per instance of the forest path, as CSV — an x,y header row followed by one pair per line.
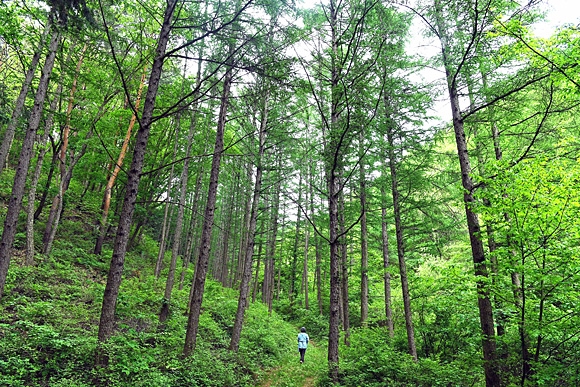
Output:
x,y
293,374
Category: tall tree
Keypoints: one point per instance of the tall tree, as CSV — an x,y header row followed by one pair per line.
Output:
x,y
203,259
19,104
18,186
247,274
107,320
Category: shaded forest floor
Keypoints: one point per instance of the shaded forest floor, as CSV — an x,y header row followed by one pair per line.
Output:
x,y
293,374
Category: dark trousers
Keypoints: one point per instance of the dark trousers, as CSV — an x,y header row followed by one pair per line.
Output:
x,y
302,352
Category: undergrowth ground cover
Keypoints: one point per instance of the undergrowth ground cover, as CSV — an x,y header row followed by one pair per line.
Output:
x,y
49,321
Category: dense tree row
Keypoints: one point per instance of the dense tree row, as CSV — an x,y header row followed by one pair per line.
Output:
x,y
289,153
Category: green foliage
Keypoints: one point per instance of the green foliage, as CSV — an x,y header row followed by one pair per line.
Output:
x,y
371,361
265,338
49,320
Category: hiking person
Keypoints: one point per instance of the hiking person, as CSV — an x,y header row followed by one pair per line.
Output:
x,y
302,343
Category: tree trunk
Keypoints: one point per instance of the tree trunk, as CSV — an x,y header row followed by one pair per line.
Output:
x,y
294,267
344,266
11,220
364,279
194,223
247,276
203,259
57,208
334,320
305,270
258,264
42,150
198,181
107,320
164,313
19,105
167,214
244,236
333,175
65,174
269,278
44,196
492,377
317,247
221,258
386,264
401,244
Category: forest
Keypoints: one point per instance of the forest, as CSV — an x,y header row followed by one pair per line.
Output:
x,y
185,184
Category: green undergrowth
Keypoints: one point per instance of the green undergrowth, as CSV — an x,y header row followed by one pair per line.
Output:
x,y
49,319
372,361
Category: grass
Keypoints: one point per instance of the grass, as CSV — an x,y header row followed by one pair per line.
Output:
x,y
291,373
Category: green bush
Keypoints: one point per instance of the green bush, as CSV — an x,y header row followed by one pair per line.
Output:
x,y
371,361
48,330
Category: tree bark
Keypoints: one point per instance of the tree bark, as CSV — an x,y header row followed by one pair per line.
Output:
x,y
42,150
294,267
65,173
107,320
364,279
269,275
166,213
203,259
19,105
400,243
333,175
247,276
11,219
492,377
344,266
164,313
386,264
305,270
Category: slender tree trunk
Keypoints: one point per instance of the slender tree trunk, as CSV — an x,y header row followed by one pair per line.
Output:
x,y
386,264
194,223
221,261
400,244
258,264
58,205
333,153
236,277
344,266
164,313
492,377
11,219
269,279
294,267
305,270
364,279
203,259
102,225
246,278
167,214
317,247
19,105
65,172
198,181
45,190
334,321
42,150
107,320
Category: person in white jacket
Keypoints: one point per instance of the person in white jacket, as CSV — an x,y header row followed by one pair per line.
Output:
x,y
302,343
